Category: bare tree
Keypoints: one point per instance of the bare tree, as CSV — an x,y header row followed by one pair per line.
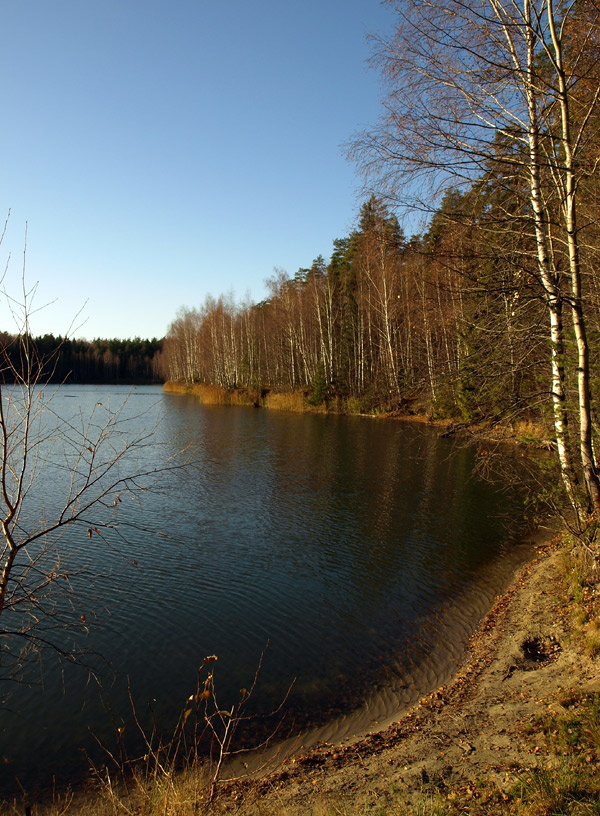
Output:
x,y
90,460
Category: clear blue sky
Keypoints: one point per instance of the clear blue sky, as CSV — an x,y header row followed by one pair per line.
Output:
x,y
160,151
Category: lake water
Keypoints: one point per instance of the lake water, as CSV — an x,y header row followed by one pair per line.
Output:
x,y
363,552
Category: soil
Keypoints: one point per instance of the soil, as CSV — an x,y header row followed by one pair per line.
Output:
x,y
469,732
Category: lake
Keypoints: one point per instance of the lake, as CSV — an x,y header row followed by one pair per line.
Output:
x,y
359,553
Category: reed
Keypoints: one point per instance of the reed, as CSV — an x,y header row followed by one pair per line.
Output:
x,y
214,394
293,401
287,401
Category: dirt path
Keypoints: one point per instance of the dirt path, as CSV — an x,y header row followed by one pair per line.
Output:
x,y
468,733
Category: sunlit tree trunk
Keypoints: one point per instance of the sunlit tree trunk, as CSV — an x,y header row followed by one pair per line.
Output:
x,y
567,182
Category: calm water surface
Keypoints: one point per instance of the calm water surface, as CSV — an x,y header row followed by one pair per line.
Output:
x,y
362,552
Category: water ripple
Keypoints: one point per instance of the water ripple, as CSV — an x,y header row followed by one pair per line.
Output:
x,y
362,552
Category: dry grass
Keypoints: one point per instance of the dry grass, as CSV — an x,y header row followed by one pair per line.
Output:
x,y
582,590
214,394
295,401
287,401
530,432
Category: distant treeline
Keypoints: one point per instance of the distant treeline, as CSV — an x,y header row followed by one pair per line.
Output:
x,y
84,361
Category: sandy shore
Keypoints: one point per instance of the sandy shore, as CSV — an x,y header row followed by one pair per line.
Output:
x,y
470,730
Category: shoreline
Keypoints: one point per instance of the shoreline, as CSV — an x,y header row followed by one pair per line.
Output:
x,y
522,432
293,401
369,719
466,729
392,702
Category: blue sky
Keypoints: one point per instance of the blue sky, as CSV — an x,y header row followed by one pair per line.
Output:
x,y
160,151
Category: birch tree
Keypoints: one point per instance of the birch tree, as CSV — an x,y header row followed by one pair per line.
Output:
x,y
468,76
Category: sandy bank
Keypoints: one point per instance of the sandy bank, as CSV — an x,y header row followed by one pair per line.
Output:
x,y
468,731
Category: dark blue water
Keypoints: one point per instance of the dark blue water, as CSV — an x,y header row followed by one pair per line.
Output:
x,y
362,552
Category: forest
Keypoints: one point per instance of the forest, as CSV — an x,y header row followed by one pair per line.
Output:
x,y
490,127
63,359
433,321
